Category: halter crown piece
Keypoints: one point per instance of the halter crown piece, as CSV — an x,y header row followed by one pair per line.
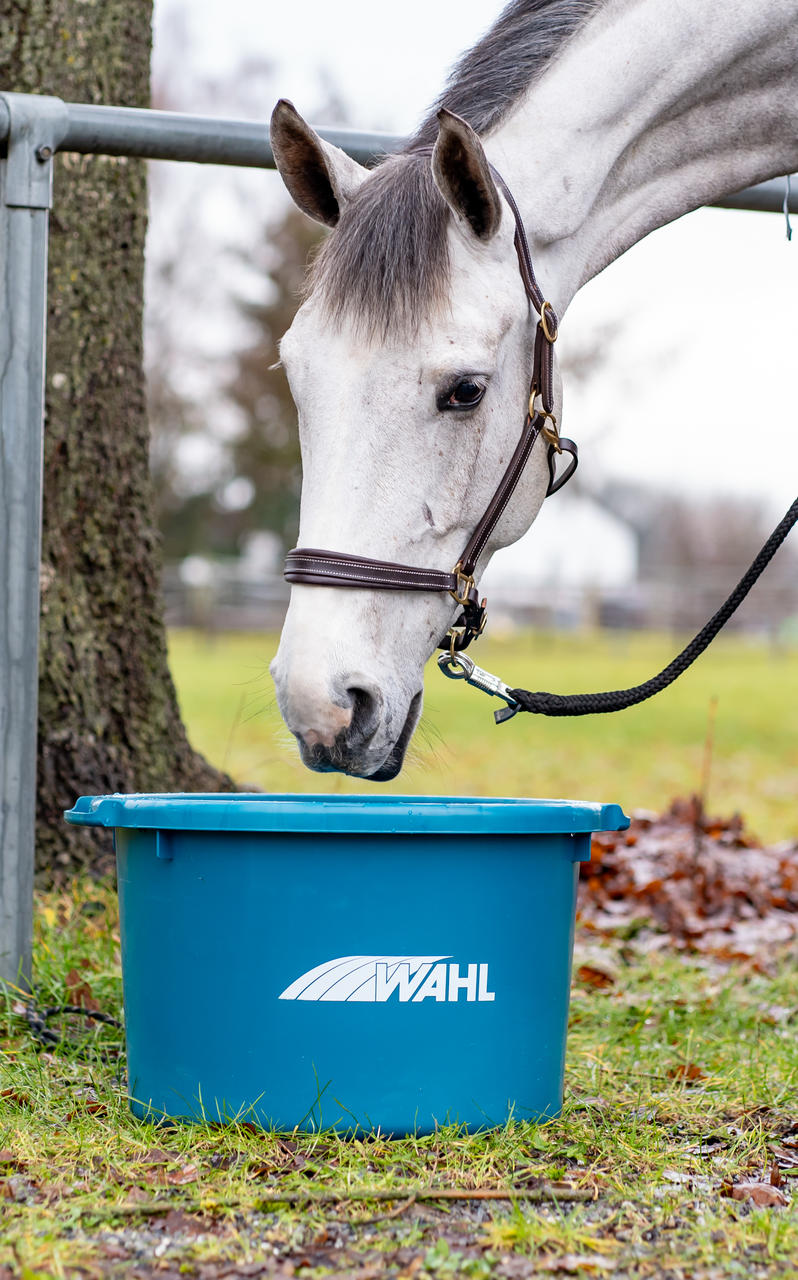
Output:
x,y
312,567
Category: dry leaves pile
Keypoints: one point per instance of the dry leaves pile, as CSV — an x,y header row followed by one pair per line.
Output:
x,y
701,883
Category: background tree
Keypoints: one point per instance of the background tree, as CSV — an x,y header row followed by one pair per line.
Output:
x,y
267,451
229,246
108,715
255,483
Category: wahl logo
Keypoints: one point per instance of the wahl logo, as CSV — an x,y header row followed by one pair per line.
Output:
x,y
376,979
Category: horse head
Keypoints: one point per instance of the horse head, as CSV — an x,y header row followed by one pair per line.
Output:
x,y
409,361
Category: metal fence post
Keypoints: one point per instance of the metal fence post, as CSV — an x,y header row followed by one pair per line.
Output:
x,y
35,127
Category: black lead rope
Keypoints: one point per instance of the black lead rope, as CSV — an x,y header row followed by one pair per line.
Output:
x,y
38,1019
586,704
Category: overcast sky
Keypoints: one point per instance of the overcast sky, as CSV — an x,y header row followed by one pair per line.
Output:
x,y
670,406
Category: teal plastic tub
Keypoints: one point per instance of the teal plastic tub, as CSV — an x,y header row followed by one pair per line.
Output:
x,y
358,963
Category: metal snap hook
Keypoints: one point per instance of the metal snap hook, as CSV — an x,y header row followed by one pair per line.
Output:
x,y
457,666
461,667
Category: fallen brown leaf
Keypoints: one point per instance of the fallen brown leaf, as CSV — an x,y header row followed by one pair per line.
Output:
x,y
88,1108
180,1177
689,1072
246,1126
135,1195
14,1095
155,1155
595,967
594,977
176,1222
407,1272
18,1188
79,992
763,1194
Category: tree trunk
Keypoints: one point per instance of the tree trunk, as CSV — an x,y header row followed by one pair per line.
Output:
x,y
108,715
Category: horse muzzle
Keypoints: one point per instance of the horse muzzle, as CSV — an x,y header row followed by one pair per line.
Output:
x,y
347,723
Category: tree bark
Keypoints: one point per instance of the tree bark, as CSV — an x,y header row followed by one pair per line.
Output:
x,y
108,714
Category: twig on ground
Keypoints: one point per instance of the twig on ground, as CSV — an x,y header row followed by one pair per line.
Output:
x,y
306,1199
391,1213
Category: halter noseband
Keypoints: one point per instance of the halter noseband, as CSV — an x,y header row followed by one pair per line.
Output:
x,y
312,567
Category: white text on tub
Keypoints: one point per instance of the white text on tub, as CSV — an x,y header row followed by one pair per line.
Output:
x,y
376,979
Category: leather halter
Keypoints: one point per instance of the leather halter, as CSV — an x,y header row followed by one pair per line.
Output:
x,y
312,567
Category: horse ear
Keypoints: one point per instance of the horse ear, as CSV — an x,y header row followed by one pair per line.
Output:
x,y
462,173
320,177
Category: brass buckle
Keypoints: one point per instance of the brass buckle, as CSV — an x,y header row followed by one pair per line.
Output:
x,y
533,395
465,584
549,334
452,633
550,433
462,632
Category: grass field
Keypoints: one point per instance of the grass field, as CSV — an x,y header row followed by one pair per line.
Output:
x,y
639,758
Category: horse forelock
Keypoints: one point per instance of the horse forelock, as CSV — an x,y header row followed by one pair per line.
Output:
x,y
386,265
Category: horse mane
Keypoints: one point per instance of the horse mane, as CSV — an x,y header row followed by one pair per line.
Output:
x,y
386,264
491,77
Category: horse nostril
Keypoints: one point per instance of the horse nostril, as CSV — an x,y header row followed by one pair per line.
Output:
x,y
366,707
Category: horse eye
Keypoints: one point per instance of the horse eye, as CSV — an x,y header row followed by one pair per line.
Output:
x,y
465,394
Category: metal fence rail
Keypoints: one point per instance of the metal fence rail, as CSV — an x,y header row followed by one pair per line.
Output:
x,y
32,130
170,135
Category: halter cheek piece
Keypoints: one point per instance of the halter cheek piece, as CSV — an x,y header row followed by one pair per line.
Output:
x,y
312,567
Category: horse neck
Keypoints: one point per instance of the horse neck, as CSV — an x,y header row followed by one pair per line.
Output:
x,y
654,108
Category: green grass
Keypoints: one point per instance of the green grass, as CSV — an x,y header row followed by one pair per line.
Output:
x,y
640,758
85,1185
